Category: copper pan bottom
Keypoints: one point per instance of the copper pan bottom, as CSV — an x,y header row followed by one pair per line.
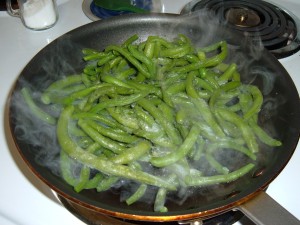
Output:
x,y
92,217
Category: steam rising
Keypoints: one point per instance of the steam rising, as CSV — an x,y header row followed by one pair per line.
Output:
x,y
39,138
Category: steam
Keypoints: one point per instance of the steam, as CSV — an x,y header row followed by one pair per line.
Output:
x,y
40,138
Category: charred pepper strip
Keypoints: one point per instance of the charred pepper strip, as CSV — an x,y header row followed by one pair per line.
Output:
x,y
105,166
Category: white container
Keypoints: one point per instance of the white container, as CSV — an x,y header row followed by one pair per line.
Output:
x,y
35,14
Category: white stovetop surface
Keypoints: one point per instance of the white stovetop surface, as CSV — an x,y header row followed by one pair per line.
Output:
x,y
26,200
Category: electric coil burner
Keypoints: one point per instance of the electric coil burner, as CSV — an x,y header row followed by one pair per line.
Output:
x,y
277,28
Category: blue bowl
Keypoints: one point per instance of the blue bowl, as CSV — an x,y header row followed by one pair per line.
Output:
x,y
106,13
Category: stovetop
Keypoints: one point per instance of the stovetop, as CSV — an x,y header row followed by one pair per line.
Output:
x,y
25,199
273,25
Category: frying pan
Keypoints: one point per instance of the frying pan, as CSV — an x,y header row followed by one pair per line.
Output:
x,y
280,116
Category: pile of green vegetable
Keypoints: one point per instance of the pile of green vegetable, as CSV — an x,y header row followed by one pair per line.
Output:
x,y
160,102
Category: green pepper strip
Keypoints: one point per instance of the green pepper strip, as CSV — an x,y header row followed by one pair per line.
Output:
x,y
65,167
214,163
228,73
207,115
133,153
144,87
160,198
169,128
106,183
263,136
59,85
181,152
105,91
35,109
67,81
89,51
137,194
221,90
190,90
100,118
93,183
171,91
204,84
161,41
90,71
123,75
257,101
118,101
196,180
99,138
149,49
128,121
246,131
130,40
234,145
105,166
113,80
176,52
112,133
83,178
189,67
81,94
143,58
217,59
114,62
94,56
130,58
106,59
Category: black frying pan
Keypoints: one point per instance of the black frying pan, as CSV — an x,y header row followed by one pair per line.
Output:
x,y
280,115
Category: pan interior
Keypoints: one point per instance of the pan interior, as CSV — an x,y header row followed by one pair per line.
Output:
x,y
63,56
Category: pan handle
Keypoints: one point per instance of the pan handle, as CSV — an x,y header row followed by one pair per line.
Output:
x,y
264,210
